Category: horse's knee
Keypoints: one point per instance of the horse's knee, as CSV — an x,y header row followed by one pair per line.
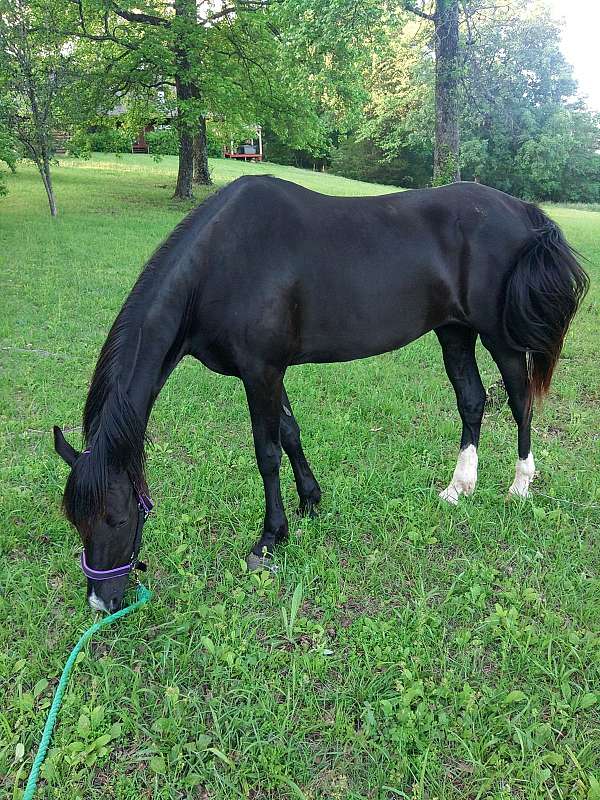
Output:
x,y
268,458
472,407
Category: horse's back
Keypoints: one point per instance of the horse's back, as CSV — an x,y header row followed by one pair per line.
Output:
x,y
322,278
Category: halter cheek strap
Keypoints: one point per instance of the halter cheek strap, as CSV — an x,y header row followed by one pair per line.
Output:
x,y
145,506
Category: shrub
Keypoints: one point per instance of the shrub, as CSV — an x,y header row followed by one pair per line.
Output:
x,y
364,161
109,140
213,144
163,142
8,155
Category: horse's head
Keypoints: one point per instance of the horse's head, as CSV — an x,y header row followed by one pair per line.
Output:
x,y
109,514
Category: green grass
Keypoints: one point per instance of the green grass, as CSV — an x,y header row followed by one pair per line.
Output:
x,y
436,652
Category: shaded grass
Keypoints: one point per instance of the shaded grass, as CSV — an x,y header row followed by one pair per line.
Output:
x,y
438,652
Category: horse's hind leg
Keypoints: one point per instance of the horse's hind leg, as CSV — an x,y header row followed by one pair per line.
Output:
x,y
264,388
309,490
458,347
513,368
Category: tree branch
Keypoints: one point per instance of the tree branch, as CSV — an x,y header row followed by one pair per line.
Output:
x,y
227,11
140,17
105,36
409,6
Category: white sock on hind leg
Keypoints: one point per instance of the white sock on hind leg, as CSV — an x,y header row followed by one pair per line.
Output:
x,y
464,477
524,472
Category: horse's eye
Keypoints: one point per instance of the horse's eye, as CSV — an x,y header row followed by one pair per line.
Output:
x,y
117,523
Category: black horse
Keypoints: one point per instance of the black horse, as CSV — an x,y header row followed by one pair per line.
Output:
x,y
266,274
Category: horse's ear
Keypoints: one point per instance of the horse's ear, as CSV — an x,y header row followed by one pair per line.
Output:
x,y
63,448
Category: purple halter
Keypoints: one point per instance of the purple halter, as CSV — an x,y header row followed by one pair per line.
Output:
x,y
145,506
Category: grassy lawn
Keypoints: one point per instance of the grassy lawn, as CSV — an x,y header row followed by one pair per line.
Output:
x,y
438,652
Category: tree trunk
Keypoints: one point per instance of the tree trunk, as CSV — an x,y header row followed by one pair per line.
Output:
x,y
44,168
446,165
39,147
183,188
185,10
201,170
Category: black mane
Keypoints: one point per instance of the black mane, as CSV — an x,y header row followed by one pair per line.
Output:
x,y
113,432
112,429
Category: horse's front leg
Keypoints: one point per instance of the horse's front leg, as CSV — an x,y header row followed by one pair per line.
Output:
x,y
264,393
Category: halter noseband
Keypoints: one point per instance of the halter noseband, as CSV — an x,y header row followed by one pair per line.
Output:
x,y
145,506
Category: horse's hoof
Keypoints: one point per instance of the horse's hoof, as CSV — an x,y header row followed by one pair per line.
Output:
x,y
518,493
307,510
308,505
261,563
450,495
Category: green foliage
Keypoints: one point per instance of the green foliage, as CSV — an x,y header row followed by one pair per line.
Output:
x,y
289,621
279,152
474,156
286,66
320,64
8,154
85,745
365,161
562,162
103,138
532,140
110,140
42,92
520,130
163,142
400,111
331,83
447,172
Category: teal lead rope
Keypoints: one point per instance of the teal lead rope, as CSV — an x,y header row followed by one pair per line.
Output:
x,y
143,595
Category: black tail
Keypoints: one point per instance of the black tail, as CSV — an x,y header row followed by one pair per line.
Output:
x,y
543,292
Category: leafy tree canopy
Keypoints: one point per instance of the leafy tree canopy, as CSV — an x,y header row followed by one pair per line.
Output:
x,y
523,129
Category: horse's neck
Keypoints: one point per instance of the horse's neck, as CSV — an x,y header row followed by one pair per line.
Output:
x,y
161,347
152,344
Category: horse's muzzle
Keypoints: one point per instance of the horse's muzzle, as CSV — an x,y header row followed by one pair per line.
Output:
x,y
107,596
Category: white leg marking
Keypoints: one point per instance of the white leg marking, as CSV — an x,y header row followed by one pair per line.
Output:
x,y
464,477
97,603
524,472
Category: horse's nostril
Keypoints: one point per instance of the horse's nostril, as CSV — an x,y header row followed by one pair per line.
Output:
x,y
114,604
